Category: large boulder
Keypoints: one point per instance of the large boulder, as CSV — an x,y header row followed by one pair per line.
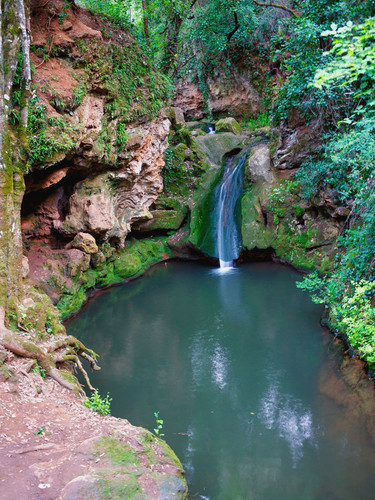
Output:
x,y
216,146
176,116
228,125
259,168
106,204
168,215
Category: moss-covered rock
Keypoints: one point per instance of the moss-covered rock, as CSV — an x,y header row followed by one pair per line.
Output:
x,y
201,209
254,230
176,115
216,146
228,125
169,214
131,261
144,468
126,265
273,217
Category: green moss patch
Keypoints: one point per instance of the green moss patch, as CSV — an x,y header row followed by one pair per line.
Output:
x,y
133,260
118,452
274,218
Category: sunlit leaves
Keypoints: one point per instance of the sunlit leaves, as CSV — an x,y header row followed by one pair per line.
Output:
x,y
353,63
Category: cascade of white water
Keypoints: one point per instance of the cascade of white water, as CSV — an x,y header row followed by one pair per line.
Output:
x,y
227,193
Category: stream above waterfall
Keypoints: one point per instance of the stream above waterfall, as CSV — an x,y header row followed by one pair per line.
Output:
x,y
256,397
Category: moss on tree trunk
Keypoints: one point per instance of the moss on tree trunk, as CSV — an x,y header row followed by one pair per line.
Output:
x,y
14,38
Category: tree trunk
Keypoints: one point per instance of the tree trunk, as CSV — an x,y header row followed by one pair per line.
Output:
x,y
145,22
14,37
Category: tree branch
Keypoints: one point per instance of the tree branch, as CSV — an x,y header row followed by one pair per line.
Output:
x,y
236,26
277,6
182,65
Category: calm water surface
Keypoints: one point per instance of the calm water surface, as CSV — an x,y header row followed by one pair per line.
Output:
x,y
243,376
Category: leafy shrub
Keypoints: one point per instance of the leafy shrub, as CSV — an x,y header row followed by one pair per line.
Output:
x,y
303,53
353,62
79,94
351,310
261,120
346,164
99,404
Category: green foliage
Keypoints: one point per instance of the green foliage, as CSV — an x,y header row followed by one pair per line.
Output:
x,y
174,170
353,62
116,10
305,57
159,425
79,94
303,54
39,431
99,404
260,121
281,196
64,12
351,310
42,142
345,166
122,137
38,369
345,170
316,286
42,52
136,89
14,117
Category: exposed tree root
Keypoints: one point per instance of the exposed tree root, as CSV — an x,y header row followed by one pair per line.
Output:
x,y
65,349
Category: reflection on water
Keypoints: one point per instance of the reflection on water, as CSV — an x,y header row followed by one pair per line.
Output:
x,y
287,415
257,400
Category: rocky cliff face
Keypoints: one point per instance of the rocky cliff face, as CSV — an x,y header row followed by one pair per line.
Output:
x,y
236,95
98,137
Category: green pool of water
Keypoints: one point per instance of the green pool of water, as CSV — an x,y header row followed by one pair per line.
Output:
x,y
252,391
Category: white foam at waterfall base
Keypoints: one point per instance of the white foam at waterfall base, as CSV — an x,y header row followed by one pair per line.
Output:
x,y
226,269
226,265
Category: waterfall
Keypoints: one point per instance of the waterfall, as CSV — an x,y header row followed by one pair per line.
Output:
x,y
227,194
210,129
